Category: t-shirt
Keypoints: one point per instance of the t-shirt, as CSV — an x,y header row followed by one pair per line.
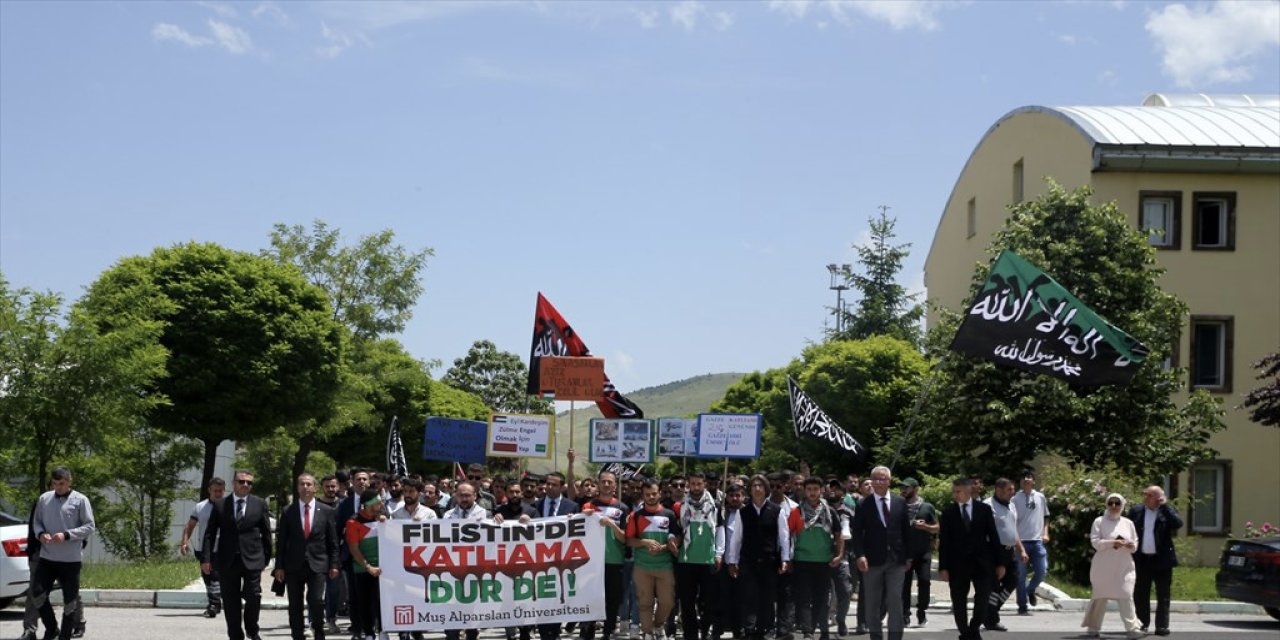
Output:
x,y
920,541
1032,510
658,525
813,531
614,552
361,533
698,522
200,513
1006,520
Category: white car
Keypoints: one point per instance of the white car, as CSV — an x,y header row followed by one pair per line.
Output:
x,y
14,573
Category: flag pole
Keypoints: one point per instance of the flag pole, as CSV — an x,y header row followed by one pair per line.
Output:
x,y
915,411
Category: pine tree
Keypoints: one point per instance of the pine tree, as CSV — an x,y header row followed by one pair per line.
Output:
x,y
885,307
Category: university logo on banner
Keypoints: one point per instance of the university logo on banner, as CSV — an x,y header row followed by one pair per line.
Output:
x,y
809,419
1022,318
463,574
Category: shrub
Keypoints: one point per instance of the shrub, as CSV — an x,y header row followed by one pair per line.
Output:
x,y
1077,496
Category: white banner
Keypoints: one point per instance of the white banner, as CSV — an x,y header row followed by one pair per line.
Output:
x,y
460,574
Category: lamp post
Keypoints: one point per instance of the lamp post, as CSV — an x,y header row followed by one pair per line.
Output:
x,y
839,279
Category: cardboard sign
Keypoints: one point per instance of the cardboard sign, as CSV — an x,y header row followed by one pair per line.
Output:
x,y
571,378
453,440
677,437
521,436
729,435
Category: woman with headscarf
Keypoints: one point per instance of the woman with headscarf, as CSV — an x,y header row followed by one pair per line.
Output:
x,y
1112,574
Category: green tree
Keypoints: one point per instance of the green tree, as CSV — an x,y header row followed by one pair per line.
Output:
x,y
866,386
64,389
885,307
498,377
1264,402
271,460
991,419
252,345
372,286
138,471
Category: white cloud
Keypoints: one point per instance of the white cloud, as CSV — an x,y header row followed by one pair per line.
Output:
x,y
1067,39
223,10
686,14
898,14
1206,45
273,11
1109,78
164,31
336,42
231,38
648,19
622,360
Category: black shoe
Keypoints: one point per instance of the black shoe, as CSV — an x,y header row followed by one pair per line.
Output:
x,y
49,634
78,631
995,626
210,612
860,630
921,619
1031,599
1162,632
842,629
29,634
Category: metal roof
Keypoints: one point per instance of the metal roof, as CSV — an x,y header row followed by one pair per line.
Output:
x,y
1241,127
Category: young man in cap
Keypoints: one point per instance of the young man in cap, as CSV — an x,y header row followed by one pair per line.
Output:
x,y
923,519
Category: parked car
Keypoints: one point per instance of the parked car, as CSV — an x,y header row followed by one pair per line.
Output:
x,y
15,576
1250,572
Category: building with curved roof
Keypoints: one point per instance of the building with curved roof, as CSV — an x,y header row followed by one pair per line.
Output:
x,y
1203,174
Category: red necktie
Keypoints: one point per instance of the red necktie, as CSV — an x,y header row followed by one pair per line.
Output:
x,y
306,521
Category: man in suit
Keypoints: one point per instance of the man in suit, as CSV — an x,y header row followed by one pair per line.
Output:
x,y
969,553
348,507
306,556
1155,522
553,504
238,540
879,539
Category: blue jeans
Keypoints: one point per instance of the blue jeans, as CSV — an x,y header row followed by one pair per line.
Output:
x,y
1038,558
630,610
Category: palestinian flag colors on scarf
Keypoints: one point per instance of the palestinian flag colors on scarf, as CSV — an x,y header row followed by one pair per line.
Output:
x,y
552,336
1023,318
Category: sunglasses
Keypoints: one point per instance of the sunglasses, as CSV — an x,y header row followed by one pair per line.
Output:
x,y
474,477
1113,503
247,483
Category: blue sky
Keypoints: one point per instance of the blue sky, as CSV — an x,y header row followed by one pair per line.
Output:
x,y
673,176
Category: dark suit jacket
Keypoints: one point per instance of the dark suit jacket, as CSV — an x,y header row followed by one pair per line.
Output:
x,y
248,541
346,510
965,552
872,539
1167,521
318,552
566,506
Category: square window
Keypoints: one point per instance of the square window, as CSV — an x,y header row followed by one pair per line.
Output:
x,y
1211,346
1210,497
1214,219
1160,215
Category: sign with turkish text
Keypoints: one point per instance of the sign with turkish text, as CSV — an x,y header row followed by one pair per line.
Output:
x,y
521,436
729,435
454,440
465,574
571,377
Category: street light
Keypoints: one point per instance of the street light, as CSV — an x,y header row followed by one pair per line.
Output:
x,y
839,278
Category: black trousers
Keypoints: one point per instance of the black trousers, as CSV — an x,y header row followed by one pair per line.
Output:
x,y
613,589
920,570
1150,571
786,603
759,584
812,582
66,574
695,585
241,599
313,584
729,603
1004,587
963,577
367,598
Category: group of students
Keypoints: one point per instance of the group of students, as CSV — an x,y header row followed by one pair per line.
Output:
x,y
749,557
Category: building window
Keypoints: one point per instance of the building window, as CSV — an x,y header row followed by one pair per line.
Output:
x,y
1215,221
973,217
1211,347
1210,497
1017,182
1161,218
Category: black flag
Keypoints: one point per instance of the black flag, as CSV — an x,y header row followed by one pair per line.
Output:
x,y
396,462
811,420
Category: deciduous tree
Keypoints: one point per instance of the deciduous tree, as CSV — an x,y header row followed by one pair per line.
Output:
x,y
498,377
1264,402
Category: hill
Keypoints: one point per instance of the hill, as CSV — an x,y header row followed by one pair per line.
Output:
x,y
680,398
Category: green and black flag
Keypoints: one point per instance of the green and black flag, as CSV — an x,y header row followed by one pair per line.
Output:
x,y
1023,318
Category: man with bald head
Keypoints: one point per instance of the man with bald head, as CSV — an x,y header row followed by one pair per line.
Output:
x,y
1155,521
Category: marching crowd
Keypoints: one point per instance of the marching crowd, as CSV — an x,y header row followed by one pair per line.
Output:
x,y
768,555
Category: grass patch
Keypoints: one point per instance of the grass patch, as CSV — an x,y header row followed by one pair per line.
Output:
x,y
1189,583
163,574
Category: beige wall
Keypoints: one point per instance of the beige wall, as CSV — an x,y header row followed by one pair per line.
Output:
x,y
1244,283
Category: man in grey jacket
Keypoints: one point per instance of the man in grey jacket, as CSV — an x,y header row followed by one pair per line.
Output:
x,y
62,520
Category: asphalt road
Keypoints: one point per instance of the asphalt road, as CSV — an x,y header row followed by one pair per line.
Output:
x,y
185,624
